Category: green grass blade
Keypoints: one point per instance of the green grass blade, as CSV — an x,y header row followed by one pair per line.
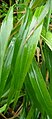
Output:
x,y
44,12
49,14
40,89
6,66
30,114
31,94
6,28
48,61
36,3
3,108
23,61
47,37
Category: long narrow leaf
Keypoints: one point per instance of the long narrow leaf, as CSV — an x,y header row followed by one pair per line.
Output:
x,y
6,28
40,89
24,59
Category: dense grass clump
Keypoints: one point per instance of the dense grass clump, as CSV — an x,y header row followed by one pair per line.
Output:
x,y
26,59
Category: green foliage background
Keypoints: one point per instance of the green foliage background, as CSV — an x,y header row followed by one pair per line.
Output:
x,y
26,58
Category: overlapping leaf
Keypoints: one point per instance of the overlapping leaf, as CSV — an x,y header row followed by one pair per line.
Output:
x,y
6,28
23,52
6,66
40,89
47,37
23,61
